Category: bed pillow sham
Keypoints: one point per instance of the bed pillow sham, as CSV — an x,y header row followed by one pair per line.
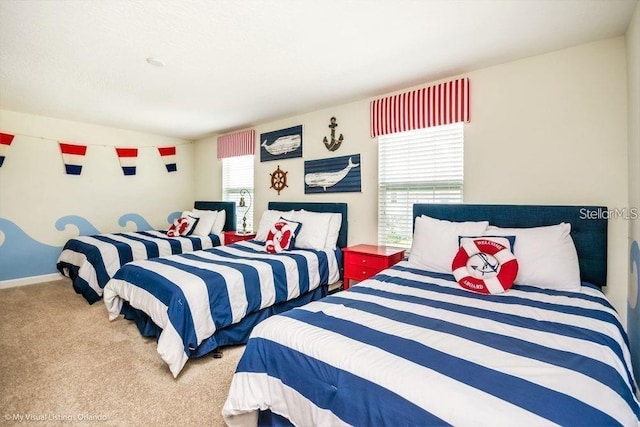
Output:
x,y
435,241
546,256
219,218
335,221
218,224
205,223
314,231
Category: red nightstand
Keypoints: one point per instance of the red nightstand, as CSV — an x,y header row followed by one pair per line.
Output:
x,y
233,237
364,261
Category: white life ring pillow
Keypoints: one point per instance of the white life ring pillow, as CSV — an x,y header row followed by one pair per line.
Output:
x,y
279,237
485,266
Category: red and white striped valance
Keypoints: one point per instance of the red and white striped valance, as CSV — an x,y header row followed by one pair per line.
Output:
x,y
237,144
441,104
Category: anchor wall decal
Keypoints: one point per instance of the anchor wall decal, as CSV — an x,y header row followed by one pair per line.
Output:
x,y
335,143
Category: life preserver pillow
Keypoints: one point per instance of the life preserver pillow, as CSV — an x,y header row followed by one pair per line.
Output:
x,y
279,238
485,265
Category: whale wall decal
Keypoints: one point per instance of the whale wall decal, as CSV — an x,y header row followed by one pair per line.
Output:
x,y
333,175
281,144
23,256
633,307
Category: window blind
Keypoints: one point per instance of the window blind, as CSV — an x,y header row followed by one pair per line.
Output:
x,y
418,166
237,174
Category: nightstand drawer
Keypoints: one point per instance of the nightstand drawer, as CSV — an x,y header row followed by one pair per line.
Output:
x,y
233,237
364,261
359,273
359,260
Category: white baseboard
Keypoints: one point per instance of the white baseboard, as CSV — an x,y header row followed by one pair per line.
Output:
x,y
4,284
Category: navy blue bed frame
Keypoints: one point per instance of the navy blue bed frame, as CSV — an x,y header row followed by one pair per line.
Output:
x,y
588,227
229,207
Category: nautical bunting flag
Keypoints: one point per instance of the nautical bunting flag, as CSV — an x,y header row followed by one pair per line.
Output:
x,y
5,142
168,155
72,156
128,157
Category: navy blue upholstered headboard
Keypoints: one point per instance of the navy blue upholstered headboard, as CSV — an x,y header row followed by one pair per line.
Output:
x,y
588,227
229,207
318,207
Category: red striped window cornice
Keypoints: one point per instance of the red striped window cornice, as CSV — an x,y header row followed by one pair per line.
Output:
x,y
237,144
441,104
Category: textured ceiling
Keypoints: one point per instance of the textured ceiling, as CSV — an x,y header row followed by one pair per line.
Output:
x,y
230,64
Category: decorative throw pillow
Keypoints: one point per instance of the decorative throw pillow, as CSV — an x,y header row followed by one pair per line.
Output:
x,y
485,264
281,236
182,226
269,218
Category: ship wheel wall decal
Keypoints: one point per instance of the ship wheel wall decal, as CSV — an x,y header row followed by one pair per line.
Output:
x,y
335,143
278,180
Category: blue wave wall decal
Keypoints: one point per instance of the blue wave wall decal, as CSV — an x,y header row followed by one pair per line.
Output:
x,y
141,223
633,313
23,256
173,216
85,228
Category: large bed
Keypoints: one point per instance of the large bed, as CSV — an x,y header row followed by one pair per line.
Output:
x,y
90,261
410,346
197,302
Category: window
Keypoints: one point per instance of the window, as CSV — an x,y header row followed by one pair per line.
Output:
x,y
419,166
237,174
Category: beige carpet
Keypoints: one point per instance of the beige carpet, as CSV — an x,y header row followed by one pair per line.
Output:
x,y
62,360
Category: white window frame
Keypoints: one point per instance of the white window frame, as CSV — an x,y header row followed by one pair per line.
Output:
x,y
237,175
418,166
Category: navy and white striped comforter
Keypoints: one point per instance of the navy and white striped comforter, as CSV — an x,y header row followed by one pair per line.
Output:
x,y
191,296
410,348
90,261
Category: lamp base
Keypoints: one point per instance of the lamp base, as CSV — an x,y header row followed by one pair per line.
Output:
x,y
244,232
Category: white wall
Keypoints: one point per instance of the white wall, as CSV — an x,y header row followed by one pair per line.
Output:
x,y
35,191
550,129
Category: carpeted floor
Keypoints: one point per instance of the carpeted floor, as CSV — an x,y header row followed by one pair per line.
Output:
x,y
62,360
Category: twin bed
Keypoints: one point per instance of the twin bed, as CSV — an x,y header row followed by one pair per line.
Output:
x,y
411,347
199,301
90,261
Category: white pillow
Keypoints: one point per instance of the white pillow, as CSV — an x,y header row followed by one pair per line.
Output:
x,y
270,217
335,221
207,218
218,224
546,256
435,241
333,232
314,231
